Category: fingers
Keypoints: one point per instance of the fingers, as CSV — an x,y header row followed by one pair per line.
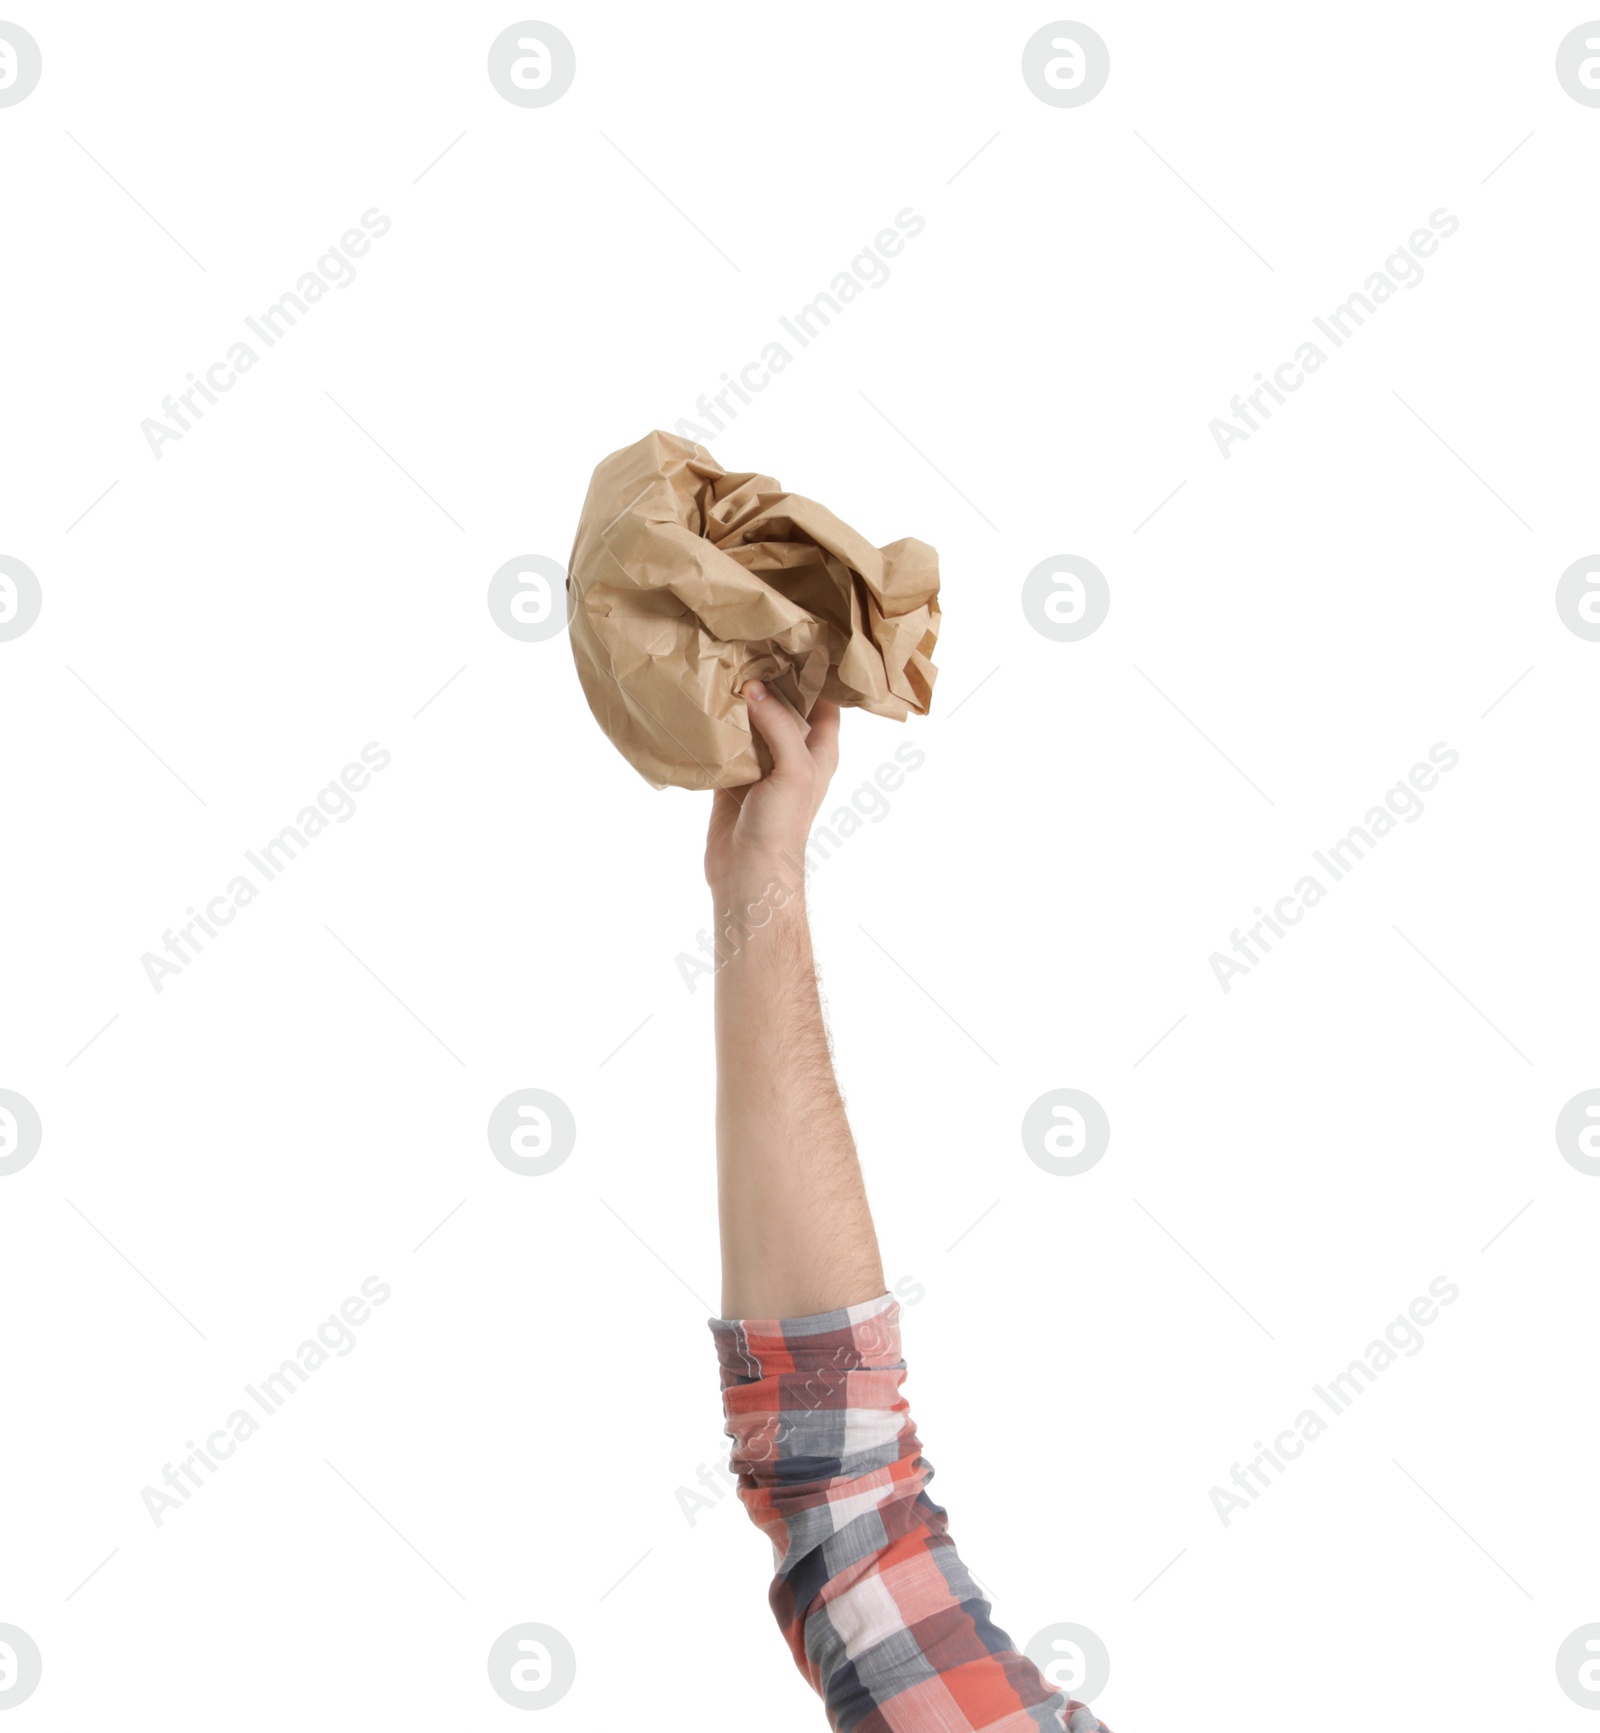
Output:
x,y
823,740
782,730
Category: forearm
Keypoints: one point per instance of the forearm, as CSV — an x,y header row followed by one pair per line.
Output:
x,y
797,1235
880,1615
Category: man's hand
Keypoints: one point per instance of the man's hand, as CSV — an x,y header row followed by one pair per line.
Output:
x,y
758,833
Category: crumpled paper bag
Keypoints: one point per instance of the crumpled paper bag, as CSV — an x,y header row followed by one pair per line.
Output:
x,y
687,581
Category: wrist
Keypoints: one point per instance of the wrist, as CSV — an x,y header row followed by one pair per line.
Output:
x,y
756,895
773,879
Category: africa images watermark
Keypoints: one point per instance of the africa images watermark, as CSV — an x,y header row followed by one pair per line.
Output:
x,y
1403,801
868,270
334,803
1338,1396
869,802
275,1391
335,270
1401,270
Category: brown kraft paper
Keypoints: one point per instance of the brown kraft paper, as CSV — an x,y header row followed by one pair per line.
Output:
x,y
686,581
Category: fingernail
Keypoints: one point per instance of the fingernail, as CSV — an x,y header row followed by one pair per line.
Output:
x,y
755,690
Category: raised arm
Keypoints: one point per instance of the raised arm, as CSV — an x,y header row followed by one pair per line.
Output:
x,y
880,1614
797,1236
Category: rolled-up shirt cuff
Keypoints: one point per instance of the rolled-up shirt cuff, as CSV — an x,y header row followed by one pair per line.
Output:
x,y
831,1469
851,1338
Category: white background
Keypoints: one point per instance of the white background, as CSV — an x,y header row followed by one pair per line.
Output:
x,y
1294,1162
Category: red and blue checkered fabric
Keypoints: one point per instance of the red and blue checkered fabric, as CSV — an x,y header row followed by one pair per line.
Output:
x,y
878,1610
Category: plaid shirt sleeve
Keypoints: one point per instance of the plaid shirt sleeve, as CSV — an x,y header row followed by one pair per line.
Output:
x,y
880,1614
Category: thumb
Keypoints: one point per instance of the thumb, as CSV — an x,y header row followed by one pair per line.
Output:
x,y
783,731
